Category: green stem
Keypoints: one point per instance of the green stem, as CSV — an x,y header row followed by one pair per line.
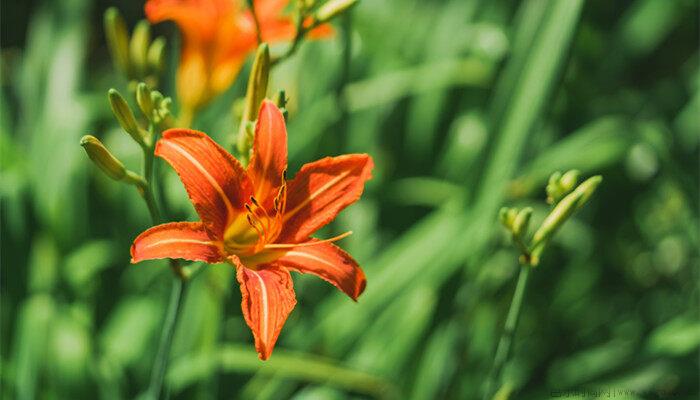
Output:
x,y
505,344
256,20
147,189
178,289
160,366
299,35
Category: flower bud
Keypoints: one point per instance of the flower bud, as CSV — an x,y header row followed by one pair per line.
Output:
x,y
144,100
156,54
569,180
255,94
124,116
332,9
257,82
138,48
521,221
99,154
117,39
553,190
563,210
507,217
587,188
560,185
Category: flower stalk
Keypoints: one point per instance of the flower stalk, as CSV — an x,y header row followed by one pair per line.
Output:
x,y
255,94
305,22
565,198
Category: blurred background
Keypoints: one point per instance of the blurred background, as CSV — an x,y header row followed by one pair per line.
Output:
x,y
466,106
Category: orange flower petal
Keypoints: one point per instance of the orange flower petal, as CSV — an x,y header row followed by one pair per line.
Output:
x,y
193,17
270,8
225,72
266,168
322,32
192,78
215,181
329,262
320,191
267,299
187,240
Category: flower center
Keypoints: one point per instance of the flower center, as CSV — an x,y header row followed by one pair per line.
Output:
x,y
250,232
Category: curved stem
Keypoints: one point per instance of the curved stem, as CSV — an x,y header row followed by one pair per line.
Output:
x,y
179,282
505,344
256,20
147,189
298,37
177,294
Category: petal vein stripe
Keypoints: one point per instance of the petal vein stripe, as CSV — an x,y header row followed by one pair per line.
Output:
x,y
264,307
315,194
170,241
311,257
207,175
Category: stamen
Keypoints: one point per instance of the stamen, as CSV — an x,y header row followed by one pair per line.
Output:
x,y
314,243
250,221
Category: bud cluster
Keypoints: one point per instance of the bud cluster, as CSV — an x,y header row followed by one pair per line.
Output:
x,y
565,197
136,56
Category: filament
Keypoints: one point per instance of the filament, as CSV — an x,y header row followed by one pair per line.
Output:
x,y
313,243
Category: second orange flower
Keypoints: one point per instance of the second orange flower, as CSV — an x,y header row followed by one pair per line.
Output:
x,y
217,36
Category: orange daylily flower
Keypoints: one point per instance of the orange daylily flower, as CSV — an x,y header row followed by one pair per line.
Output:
x,y
217,37
258,221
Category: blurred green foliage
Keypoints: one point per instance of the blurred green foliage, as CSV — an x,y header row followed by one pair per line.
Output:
x,y
466,106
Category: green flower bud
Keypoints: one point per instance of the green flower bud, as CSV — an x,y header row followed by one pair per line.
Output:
x,y
156,55
332,9
255,94
144,100
125,117
117,39
138,48
564,209
569,180
257,82
102,157
587,188
507,217
521,221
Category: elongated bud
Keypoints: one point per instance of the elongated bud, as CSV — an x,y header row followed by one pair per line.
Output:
x,y
117,39
587,188
569,180
560,185
257,82
553,190
138,48
124,116
521,221
332,9
563,210
156,55
507,217
255,94
99,154
144,100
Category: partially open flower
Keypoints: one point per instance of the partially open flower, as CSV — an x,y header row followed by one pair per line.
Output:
x,y
217,37
259,221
